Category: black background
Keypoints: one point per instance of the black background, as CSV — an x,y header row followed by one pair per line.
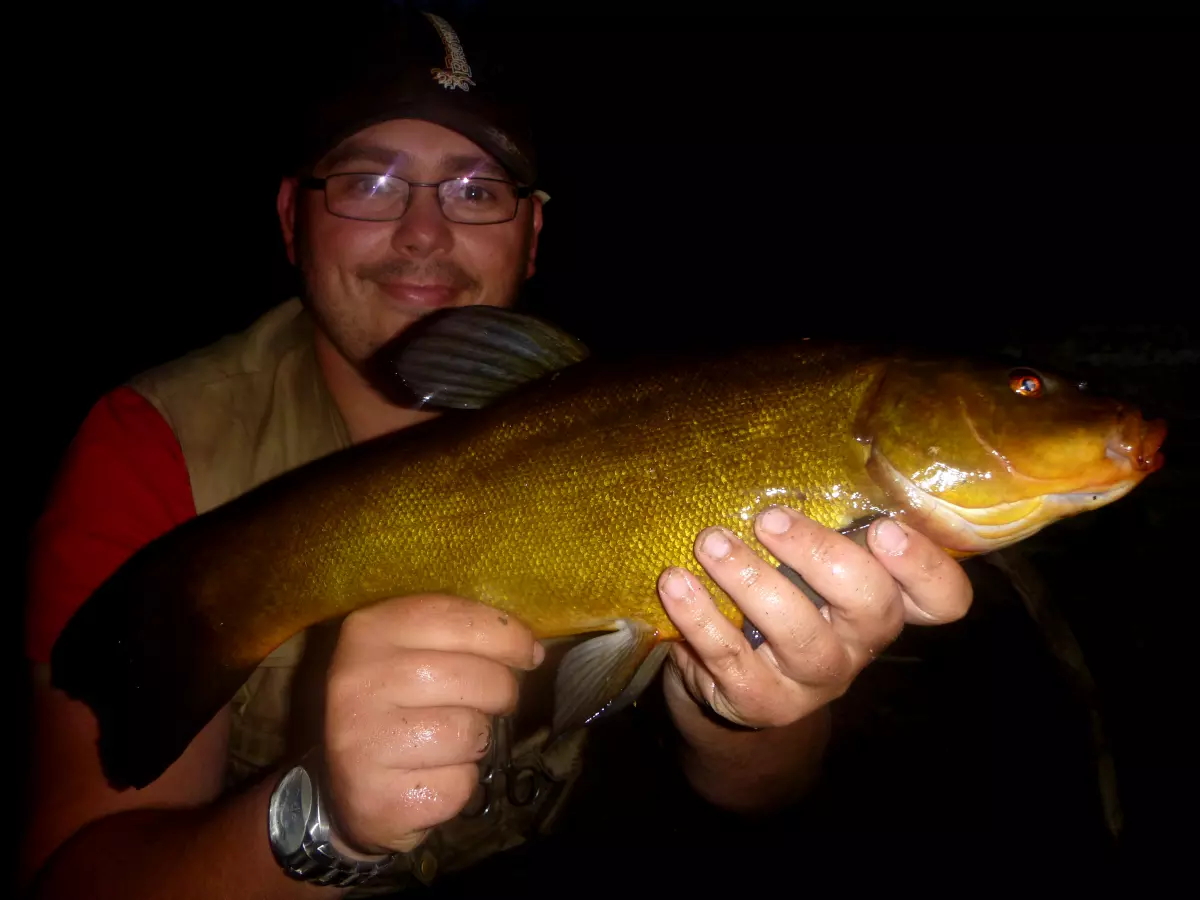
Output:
x,y
1001,185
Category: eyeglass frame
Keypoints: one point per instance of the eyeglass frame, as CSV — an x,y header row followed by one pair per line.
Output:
x,y
524,192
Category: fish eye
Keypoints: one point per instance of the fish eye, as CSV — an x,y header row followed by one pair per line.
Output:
x,y
1025,382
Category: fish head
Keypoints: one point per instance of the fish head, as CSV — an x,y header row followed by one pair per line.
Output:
x,y
979,457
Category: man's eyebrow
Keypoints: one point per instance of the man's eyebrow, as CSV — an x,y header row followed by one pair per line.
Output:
x,y
451,164
468,164
355,151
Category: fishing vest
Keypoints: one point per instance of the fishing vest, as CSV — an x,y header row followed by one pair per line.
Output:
x,y
246,409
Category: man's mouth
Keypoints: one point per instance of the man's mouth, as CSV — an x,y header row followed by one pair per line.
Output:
x,y
429,295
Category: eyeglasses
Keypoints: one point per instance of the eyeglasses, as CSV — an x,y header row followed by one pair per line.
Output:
x,y
371,197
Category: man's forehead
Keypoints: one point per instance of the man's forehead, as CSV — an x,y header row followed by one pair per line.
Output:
x,y
399,149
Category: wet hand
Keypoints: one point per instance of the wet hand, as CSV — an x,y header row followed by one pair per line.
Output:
x,y
411,690
810,655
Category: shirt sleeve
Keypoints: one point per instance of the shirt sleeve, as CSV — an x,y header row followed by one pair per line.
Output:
x,y
122,483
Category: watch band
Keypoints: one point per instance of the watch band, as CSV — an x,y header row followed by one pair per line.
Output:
x,y
300,832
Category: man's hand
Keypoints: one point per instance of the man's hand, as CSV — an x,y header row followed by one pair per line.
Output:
x,y
411,690
810,656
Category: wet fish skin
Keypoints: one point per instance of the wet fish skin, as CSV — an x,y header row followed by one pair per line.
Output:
x,y
560,504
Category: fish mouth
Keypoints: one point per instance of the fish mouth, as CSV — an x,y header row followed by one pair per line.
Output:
x,y
1133,444
1136,443
967,531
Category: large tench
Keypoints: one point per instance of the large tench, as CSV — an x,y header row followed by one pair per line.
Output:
x,y
557,488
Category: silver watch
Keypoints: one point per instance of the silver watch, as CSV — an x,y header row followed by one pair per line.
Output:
x,y
299,828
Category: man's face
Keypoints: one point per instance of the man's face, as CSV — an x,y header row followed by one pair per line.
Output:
x,y
367,281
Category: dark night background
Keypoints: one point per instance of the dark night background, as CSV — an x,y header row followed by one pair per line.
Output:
x,y
1004,186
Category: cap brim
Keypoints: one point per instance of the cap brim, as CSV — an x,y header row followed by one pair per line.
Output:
x,y
474,128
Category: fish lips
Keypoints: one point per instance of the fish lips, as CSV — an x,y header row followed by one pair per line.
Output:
x,y
1136,442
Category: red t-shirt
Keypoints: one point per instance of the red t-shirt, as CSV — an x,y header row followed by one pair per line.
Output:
x,y
122,483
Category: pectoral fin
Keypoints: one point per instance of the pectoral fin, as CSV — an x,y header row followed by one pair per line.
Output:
x,y
605,674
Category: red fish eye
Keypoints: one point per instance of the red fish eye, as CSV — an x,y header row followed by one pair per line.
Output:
x,y
1025,382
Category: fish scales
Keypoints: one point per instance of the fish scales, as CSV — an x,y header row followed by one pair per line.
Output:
x,y
566,513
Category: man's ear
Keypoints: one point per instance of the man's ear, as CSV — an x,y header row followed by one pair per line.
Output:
x,y
285,205
530,268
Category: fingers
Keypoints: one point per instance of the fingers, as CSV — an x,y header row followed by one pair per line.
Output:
x,y
398,738
799,637
810,655
935,589
419,679
440,622
715,662
409,694
712,636
865,607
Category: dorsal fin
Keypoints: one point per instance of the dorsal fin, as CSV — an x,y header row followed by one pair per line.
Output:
x,y
467,357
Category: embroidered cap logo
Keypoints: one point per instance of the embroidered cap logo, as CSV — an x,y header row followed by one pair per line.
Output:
x,y
459,75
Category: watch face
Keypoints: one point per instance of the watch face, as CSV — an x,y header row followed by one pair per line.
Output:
x,y
289,811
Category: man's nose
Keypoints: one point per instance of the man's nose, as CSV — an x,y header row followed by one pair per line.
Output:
x,y
423,229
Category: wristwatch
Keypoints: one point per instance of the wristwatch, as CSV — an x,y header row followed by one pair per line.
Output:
x,y
299,828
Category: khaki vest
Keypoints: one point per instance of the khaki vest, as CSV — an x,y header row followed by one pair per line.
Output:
x,y
246,409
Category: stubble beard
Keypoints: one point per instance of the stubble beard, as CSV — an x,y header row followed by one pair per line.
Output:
x,y
347,325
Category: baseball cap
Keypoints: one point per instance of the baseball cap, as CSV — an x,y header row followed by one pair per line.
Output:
x,y
387,63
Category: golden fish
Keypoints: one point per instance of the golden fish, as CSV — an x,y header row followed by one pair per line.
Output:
x,y
562,502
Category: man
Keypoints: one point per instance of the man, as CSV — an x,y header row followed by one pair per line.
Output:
x,y
384,221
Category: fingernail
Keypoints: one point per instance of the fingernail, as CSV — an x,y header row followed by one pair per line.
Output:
x,y
676,587
716,545
774,521
890,537
539,653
